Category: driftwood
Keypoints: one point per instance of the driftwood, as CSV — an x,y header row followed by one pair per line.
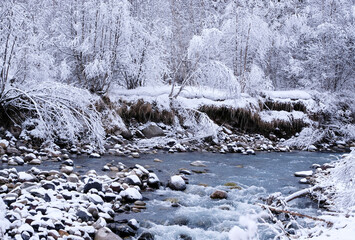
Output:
x,y
294,214
301,193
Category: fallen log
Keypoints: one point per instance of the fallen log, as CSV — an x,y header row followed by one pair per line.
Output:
x,y
294,214
301,193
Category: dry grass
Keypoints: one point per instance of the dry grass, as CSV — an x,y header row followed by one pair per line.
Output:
x,y
283,106
144,112
245,120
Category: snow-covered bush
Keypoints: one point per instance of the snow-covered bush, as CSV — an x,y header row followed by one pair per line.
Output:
x,y
342,178
54,111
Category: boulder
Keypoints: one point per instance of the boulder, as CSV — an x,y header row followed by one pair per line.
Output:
x,y
153,180
131,195
106,234
92,184
177,183
218,194
152,130
133,180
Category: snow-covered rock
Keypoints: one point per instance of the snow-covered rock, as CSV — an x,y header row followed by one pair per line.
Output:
x,y
131,194
133,180
153,180
177,183
304,174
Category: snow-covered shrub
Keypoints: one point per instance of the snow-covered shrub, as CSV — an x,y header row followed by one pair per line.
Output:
x,y
54,111
197,123
343,176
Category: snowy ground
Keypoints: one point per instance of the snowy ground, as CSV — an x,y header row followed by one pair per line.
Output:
x,y
339,186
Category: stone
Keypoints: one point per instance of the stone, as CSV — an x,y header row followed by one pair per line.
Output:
x,y
197,164
151,130
68,162
73,178
153,180
84,215
4,143
92,184
95,155
67,169
19,160
26,177
304,174
131,195
133,223
35,161
124,230
146,236
12,151
177,183
135,155
133,180
100,223
106,234
218,194
95,199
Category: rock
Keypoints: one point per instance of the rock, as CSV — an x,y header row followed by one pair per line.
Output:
x,y
151,130
100,223
153,180
35,161
19,160
197,164
48,185
177,183
69,162
67,169
73,178
232,185
133,180
13,151
135,155
84,215
304,181
304,174
95,155
312,148
133,223
131,195
4,143
26,177
106,234
218,194
92,184
95,199
158,160
29,157
124,230
146,236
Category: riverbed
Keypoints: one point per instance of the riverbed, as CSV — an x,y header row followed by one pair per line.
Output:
x,y
192,214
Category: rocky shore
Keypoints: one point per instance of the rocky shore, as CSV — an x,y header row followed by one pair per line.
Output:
x,y
63,204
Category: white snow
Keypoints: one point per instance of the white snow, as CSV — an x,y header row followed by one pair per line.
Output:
x,y
4,223
269,116
304,173
131,193
292,94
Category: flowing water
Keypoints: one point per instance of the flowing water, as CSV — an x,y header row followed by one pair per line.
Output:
x,y
200,217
